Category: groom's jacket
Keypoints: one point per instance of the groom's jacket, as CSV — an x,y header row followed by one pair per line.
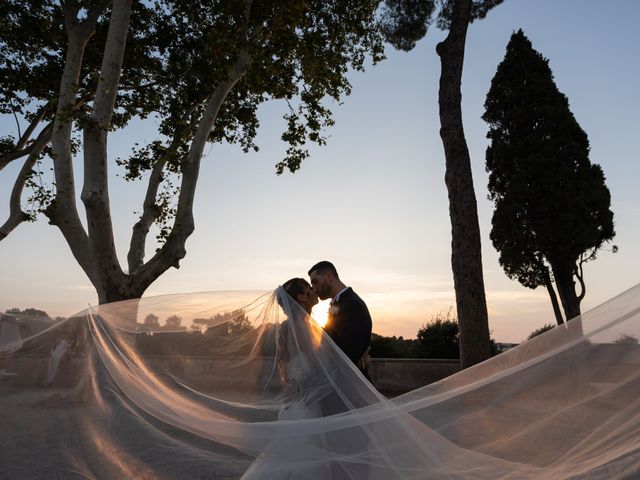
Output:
x,y
349,325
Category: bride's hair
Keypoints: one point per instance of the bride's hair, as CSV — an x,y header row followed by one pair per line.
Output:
x,y
295,287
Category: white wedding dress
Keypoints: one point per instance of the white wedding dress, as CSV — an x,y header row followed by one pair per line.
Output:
x,y
298,372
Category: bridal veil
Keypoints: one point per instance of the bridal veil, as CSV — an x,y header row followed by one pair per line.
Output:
x,y
228,385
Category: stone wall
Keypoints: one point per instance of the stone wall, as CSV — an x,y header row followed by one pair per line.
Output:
x,y
390,376
399,375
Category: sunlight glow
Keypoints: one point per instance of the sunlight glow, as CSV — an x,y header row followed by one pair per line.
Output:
x,y
320,312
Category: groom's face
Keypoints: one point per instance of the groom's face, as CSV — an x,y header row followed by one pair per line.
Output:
x,y
321,283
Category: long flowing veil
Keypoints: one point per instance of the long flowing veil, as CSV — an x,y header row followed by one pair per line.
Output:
x,y
230,385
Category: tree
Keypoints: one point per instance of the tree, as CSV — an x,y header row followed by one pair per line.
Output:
x,y
404,22
539,331
173,324
391,347
151,323
439,338
552,207
32,312
77,71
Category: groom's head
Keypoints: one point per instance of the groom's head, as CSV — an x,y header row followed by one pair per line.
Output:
x,y
324,280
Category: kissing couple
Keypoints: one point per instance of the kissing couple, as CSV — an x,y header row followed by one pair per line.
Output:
x,y
323,373
311,359
348,323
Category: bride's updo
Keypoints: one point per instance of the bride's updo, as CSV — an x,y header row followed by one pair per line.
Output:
x,y
293,287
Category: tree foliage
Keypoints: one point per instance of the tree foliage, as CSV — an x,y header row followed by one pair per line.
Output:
x,y
552,207
539,331
73,72
392,347
404,22
31,312
439,338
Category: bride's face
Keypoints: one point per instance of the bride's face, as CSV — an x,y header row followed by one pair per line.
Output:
x,y
312,298
308,299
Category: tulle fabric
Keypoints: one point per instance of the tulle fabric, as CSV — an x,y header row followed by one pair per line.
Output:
x,y
231,385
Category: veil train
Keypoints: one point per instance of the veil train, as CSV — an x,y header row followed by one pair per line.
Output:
x,y
232,385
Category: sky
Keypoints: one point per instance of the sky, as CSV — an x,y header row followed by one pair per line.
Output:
x,y
373,200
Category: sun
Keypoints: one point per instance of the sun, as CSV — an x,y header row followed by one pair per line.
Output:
x,y
320,313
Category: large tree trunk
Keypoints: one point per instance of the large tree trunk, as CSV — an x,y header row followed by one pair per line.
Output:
x,y
466,256
95,191
567,290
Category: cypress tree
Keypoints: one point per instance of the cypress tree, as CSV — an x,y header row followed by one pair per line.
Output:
x,y
552,207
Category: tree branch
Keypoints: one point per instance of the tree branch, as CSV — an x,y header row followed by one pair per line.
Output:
x,y
552,295
10,157
63,211
32,126
95,192
135,258
579,273
173,250
111,68
20,150
16,215
15,116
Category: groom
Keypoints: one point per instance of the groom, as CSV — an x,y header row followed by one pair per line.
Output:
x,y
349,322
349,325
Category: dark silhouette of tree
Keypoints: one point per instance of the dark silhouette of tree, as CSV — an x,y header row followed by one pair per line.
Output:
x,y
151,323
540,331
74,72
391,347
404,22
439,338
626,339
552,207
33,312
173,324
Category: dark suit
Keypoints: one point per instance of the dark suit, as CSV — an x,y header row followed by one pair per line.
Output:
x,y
349,326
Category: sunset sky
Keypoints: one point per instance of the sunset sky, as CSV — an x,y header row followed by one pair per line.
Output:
x,y
373,200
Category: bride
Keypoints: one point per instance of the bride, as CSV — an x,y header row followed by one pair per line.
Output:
x,y
293,350
303,388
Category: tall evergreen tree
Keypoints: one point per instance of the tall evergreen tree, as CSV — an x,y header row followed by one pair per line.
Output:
x,y
552,207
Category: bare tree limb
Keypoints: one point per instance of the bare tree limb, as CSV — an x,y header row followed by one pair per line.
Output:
x,y
95,192
32,126
580,276
15,116
10,157
135,258
20,150
111,68
150,210
173,250
63,211
16,214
